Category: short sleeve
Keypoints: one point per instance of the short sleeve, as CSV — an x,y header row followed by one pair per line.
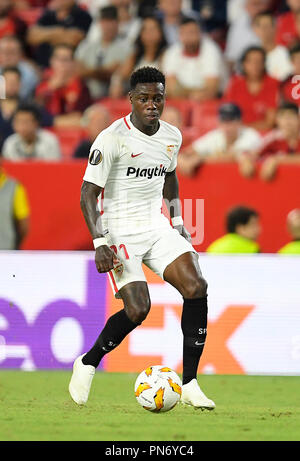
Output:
x,y
173,163
103,153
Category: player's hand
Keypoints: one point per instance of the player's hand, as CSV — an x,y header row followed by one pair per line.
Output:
x,y
105,259
182,231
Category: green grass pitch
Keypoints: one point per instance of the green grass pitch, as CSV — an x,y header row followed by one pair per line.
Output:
x,y
37,406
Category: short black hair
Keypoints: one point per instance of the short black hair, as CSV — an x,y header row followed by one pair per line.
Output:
x,y
288,106
238,215
189,20
146,75
294,49
14,69
108,12
252,49
31,108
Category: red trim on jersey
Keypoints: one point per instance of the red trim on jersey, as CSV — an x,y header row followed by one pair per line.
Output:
x,y
113,281
129,128
101,202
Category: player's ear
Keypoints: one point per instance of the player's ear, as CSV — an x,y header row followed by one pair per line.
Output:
x,y
130,96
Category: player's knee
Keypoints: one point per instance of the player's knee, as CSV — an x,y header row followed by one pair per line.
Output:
x,y
196,289
138,312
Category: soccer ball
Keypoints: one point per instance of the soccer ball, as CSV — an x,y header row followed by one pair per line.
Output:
x,y
158,388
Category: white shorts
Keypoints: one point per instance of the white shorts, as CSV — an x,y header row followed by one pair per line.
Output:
x,y
155,248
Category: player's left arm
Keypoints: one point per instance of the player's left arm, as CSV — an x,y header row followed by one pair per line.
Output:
x,y
172,200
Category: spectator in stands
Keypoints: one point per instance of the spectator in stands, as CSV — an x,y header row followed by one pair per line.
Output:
x,y
61,92
65,22
243,229
282,145
14,212
11,55
10,24
94,120
172,13
149,48
287,31
278,62
194,68
30,142
230,142
290,88
100,59
293,225
12,77
128,23
8,105
254,91
213,17
241,34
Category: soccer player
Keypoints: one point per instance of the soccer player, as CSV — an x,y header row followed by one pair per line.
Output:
x,y
135,160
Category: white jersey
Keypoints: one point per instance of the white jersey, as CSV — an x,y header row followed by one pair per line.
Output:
x,y
131,167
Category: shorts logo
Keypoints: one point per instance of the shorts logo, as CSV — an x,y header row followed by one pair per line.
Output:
x,y
95,157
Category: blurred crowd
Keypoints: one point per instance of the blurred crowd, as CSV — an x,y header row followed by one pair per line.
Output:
x,y
232,76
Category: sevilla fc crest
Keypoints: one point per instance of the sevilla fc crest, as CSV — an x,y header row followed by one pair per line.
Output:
x,y
170,151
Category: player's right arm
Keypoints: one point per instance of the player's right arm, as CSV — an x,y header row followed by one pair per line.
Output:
x,y
104,257
104,152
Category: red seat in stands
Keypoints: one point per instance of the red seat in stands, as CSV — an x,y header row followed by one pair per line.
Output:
x,y
205,116
68,138
117,107
189,135
184,107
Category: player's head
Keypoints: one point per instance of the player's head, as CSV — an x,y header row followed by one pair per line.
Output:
x,y
147,94
243,221
293,223
287,118
26,121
